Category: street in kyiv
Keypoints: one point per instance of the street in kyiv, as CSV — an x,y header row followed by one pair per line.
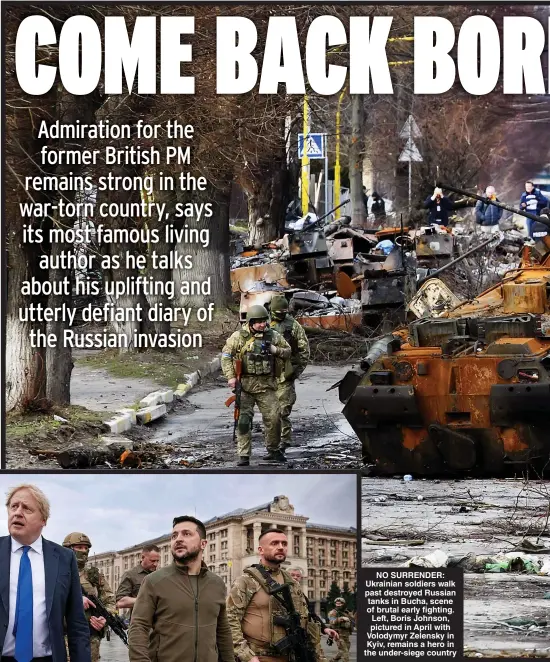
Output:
x,y
116,651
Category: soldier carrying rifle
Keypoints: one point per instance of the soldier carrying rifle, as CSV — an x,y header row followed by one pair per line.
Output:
x,y
267,610
263,353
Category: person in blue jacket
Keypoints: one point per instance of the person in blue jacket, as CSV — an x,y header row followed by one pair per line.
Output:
x,y
532,200
487,215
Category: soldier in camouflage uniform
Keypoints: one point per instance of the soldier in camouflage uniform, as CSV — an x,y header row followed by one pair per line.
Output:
x,y
295,336
341,620
95,584
263,352
251,610
316,625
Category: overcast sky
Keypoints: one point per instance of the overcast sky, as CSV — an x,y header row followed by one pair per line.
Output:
x,y
121,510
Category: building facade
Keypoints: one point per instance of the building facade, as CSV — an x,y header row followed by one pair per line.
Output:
x,y
323,552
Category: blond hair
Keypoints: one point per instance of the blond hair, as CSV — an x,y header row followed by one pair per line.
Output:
x,y
41,498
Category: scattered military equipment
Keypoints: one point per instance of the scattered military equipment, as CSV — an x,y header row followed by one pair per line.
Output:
x,y
467,391
117,625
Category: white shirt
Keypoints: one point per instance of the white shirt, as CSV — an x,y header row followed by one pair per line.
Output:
x,y
40,632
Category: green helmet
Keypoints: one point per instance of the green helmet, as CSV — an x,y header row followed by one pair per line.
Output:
x,y
257,313
76,539
279,304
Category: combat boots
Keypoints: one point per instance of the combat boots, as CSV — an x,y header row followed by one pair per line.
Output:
x,y
275,456
244,461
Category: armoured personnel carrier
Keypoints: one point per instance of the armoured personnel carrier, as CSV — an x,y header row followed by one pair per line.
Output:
x,y
468,391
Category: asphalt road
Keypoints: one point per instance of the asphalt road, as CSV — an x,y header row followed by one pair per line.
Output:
x,y
322,436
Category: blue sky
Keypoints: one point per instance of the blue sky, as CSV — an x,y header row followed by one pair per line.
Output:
x,y
119,510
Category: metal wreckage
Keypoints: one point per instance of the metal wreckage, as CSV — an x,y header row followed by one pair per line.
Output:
x,y
336,276
465,389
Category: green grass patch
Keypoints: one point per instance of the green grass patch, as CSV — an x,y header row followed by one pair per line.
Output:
x,y
165,369
19,426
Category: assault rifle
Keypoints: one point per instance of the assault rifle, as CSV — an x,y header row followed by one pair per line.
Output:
x,y
296,645
236,398
114,622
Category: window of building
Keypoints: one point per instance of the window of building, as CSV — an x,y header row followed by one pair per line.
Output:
x,y
296,540
126,563
344,555
333,553
333,543
346,576
223,533
322,584
310,595
166,559
312,572
310,582
333,564
132,562
344,564
224,544
297,551
323,594
345,544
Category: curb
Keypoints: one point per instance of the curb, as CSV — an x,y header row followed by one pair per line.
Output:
x,y
154,405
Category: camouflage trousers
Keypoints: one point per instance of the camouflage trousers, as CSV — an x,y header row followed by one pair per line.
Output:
x,y
95,643
343,647
286,392
268,404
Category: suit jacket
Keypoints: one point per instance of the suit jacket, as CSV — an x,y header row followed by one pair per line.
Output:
x,y
63,601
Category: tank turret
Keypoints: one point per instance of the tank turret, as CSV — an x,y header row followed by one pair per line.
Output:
x,y
468,391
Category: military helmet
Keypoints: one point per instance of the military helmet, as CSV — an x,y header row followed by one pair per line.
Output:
x,y
279,303
76,539
257,312
340,600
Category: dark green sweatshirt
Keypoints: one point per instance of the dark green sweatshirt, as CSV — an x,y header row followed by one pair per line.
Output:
x,y
171,623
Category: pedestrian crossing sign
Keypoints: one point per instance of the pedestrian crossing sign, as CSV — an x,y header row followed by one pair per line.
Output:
x,y
315,145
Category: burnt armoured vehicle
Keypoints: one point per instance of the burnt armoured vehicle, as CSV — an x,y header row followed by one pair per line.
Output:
x,y
465,392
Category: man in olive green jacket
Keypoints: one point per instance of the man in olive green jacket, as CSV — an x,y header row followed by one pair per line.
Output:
x,y
180,612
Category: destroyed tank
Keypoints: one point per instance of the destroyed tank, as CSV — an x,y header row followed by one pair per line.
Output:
x,y
467,391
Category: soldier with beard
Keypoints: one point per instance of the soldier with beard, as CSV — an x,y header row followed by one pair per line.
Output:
x,y
252,610
94,583
180,612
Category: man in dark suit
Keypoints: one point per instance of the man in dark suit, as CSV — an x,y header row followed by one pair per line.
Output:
x,y
40,596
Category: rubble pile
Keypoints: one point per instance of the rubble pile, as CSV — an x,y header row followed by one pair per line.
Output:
x,y
339,278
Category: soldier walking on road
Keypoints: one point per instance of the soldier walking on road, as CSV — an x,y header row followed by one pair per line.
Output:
x,y
262,352
254,613
342,621
132,579
295,336
94,583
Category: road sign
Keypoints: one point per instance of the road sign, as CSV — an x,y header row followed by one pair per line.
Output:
x,y
410,153
315,143
410,129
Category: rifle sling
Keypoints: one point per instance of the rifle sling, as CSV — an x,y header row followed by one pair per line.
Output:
x,y
273,586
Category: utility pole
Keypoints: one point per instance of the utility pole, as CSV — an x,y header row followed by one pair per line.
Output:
x,y
358,214
305,162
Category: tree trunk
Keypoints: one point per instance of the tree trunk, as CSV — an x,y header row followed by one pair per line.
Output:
x,y
358,215
210,263
59,361
25,365
127,300
164,249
